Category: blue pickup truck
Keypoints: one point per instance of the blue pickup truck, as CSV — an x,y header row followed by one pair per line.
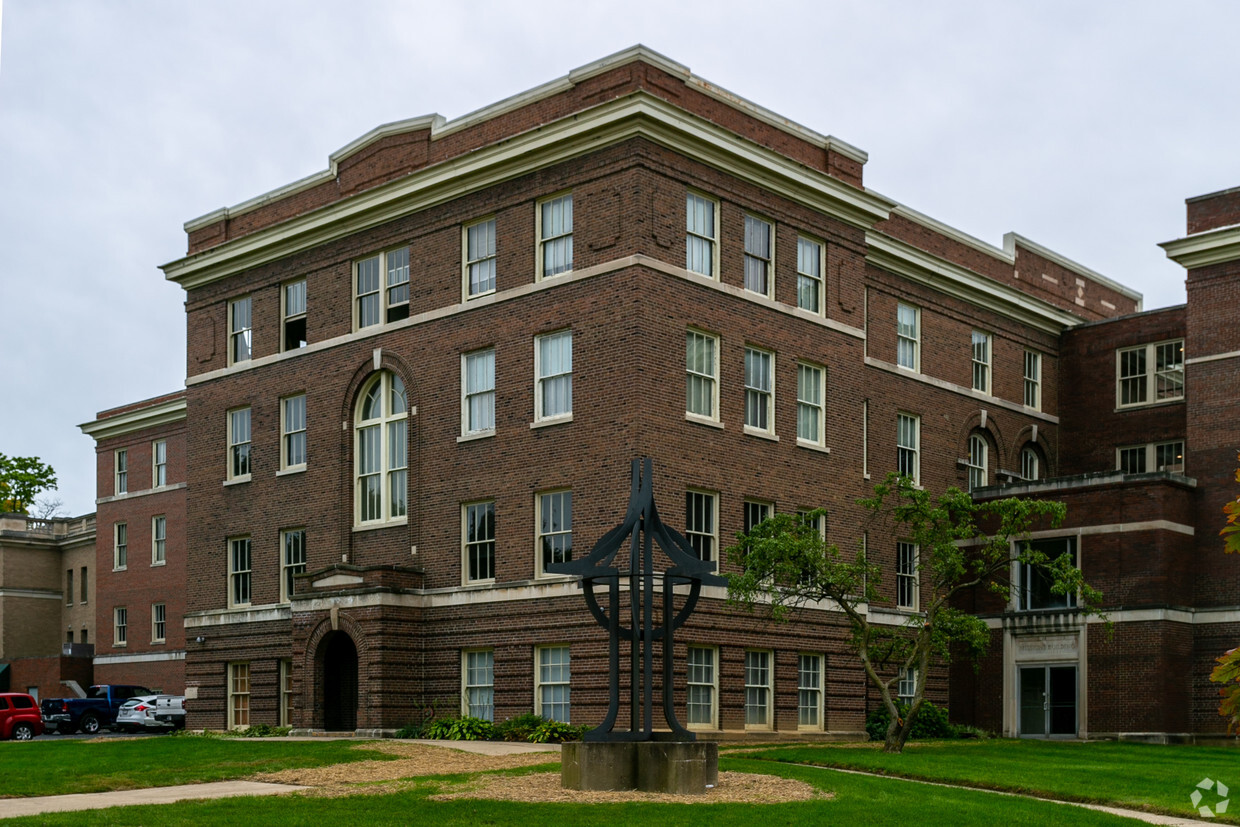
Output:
x,y
98,709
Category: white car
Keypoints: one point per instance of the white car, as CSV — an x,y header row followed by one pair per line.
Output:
x,y
137,714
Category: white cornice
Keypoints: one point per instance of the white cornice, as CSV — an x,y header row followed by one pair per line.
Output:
x,y
636,115
1011,240
140,657
161,414
1203,249
948,277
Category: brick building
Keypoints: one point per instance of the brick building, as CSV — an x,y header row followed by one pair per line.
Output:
x,y
417,377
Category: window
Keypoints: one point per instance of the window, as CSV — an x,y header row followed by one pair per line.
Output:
x,y
479,534
85,635
702,375
292,560
378,303
478,678
159,463
122,471
158,623
908,336
1133,460
759,390
1030,464
553,369
1150,373
1033,584
1169,456
69,587
906,576
981,362
757,689
293,299
380,446
978,461
239,571
238,695
906,686
69,636
478,392
809,691
82,585
480,258
702,229
555,528
120,546
555,236
552,691
811,418
120,626
755,513
1033,380
286,693
700,524
239,444
239,330
809,275
159,538
703,688
908,438
293,432
759,253
1158,456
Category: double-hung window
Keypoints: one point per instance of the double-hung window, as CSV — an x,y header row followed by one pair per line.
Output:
x,y
811,415
760,390
479,244
757,689
809,275
701,508
238,695
159,623
240,330
555,529
239,444
382,288
120,626
1158,456
1034,585
553,683
1030,464
293,312
809,691
702,229
1150,373
978,462
479,536
908,452
981,361
120,546
159,540
553,370
122,472
908,336
381,466
702,375
906,576
906,685
293,432
159,463
69,587
555,236
703,687
292,560
759,256
478,684
239,571
754,513
478,392
1033,380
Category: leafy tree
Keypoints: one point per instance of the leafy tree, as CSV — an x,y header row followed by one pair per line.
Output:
x,y
963,545
1228,670
21,480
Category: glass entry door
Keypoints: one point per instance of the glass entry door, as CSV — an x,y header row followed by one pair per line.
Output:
x,y
1047,703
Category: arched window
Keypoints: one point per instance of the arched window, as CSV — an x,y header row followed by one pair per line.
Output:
x,y
380,464
978,457
1030,464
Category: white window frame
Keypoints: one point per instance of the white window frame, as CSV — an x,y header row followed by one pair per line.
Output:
x,y
908,424
1033,380
701,385
545,678
120,627
286,692
762,398
906,684
908,338
120,546
159,463
811,250
471,543
240,330
768,263
238,695
1030,464
391,477
293,425
159,623
806,403
693,233
694,527
294,559
1151,377
981,358
759,686
978,462
480,259
810,692
484,394
486,699
291,314
159,540
539,533
238,576
1023,575
120,467
908,561
239,445
394,260
1149,454
565,237
710,687
752,508
539,379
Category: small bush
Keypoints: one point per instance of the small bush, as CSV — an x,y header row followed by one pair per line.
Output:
x,y
411,730
463,728
259,731
931,722
519,728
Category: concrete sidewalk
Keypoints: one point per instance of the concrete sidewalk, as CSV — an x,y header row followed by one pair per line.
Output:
x,y
14,807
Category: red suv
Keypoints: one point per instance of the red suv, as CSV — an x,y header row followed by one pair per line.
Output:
x,y
20,718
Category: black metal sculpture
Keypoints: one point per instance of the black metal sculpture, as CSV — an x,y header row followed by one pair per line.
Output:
x,y
642,525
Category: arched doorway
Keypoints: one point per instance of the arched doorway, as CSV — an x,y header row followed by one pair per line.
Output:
x,y
339,682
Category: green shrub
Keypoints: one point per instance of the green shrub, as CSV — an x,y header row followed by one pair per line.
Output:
x,y
463,728
259,731
555,732
519,728
931,722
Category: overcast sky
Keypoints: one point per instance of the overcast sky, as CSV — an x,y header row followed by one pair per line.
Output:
x,y
1082,126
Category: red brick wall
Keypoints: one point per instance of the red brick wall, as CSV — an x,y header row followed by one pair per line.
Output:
x,y
1208,212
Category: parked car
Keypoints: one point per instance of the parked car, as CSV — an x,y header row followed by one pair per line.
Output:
x,y
19,716
98,709
170,709
151,712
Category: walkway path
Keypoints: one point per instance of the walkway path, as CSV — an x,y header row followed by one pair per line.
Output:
x,y
14,807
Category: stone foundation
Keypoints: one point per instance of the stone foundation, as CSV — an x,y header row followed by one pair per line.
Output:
x,y
679,767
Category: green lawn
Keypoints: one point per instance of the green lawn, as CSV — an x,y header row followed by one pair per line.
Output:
x,y
1136,776
88,766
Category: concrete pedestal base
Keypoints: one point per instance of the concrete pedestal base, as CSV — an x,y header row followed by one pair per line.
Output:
x,y
680,767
